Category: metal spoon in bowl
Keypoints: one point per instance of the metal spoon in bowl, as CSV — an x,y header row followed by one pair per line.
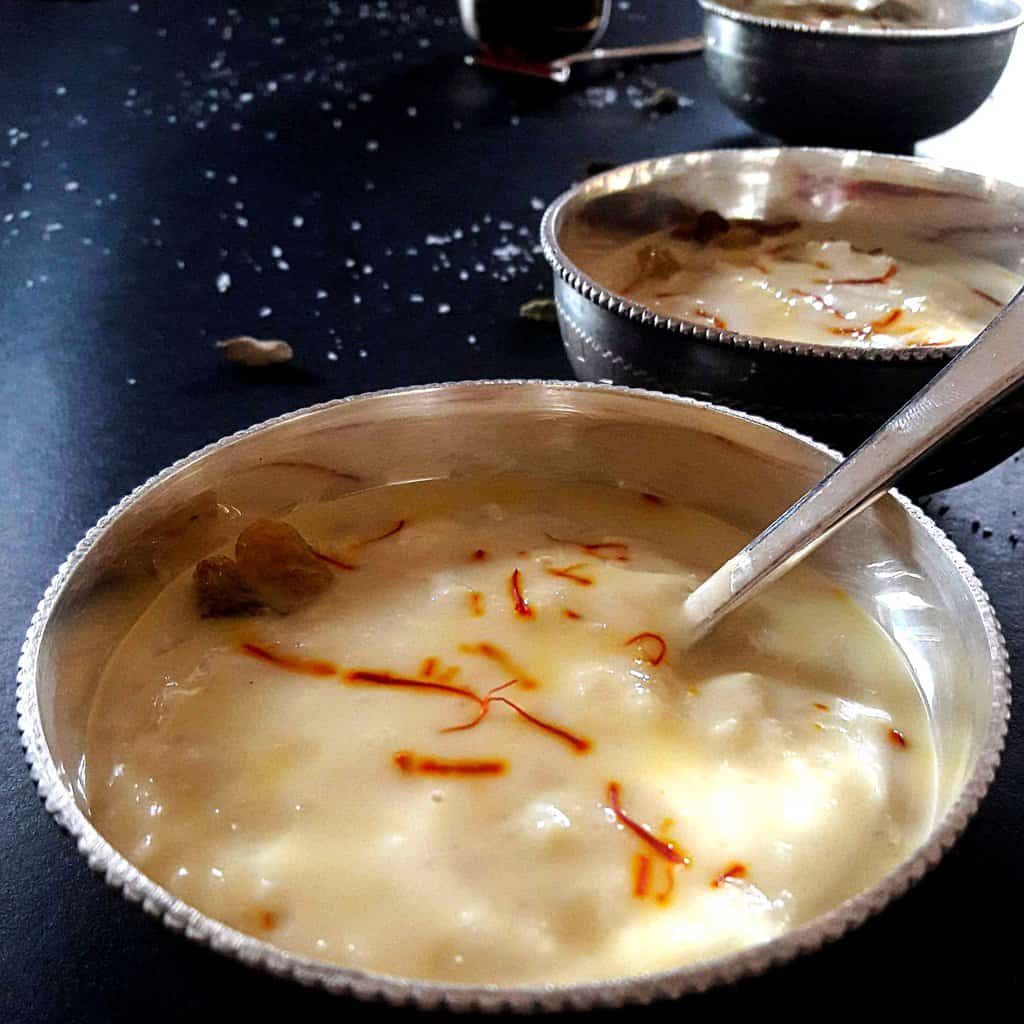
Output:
x,y
987,369
560,69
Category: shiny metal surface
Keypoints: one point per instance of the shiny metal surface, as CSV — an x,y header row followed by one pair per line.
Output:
x,y
559,70
839,394
873,87
892,559
536,30
983,373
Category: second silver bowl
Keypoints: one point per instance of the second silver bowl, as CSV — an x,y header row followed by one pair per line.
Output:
x,y
838,394
873,87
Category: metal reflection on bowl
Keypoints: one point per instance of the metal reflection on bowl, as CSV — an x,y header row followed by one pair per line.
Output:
x,y
745,468
872,87
838,394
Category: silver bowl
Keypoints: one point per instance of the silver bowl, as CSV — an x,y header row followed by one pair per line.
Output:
x,y
838,394
893,560
876,88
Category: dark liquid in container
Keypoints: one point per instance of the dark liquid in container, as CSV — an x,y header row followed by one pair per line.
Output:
x,y
535,30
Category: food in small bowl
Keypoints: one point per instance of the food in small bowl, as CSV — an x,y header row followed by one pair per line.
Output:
x,y
385,696
822,288
824,284
853,14
857,74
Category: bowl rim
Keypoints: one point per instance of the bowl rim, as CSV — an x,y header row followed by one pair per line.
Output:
x,y
778,24
675,164
179,916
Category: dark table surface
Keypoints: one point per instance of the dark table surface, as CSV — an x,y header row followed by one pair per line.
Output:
x,y
334,175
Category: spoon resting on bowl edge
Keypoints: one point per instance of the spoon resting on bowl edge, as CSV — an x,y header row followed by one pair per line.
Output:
x,y
985,372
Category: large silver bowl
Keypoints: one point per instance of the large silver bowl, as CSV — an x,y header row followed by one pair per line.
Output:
x,y
877,88
892,559
838,394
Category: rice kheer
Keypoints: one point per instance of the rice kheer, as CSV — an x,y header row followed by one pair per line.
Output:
x,y
441,730
818,283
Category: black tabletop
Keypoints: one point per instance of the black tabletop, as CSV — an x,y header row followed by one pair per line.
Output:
x,y
332,174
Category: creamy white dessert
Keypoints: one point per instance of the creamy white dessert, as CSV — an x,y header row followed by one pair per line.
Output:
x,y
799,282
466,746
850,14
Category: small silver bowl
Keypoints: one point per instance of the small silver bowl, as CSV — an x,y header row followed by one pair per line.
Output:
x,y
874,88
892,559
838,394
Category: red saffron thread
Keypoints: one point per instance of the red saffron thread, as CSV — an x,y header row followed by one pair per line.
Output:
x,y
880,279
568,573
897,739
499,657
578,743
821,707
890,318
387,679
716,321
570,614
653,499
876,325
665,895
290,662
659,657
476,603
734,870
428,666
619,549
664,849
519,602
336,562
641,875
384,536
479,555
410,763
817,300
986,296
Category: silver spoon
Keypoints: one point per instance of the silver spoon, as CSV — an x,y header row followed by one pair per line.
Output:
x,y
559,70
983,373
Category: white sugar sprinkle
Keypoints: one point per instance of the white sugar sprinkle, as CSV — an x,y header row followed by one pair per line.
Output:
x,y
223,282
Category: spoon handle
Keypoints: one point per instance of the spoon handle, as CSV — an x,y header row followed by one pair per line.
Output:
x,y
677,47
983,373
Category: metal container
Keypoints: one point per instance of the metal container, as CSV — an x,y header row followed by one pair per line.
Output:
x,y
892,559
534,30
872,87
838,394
